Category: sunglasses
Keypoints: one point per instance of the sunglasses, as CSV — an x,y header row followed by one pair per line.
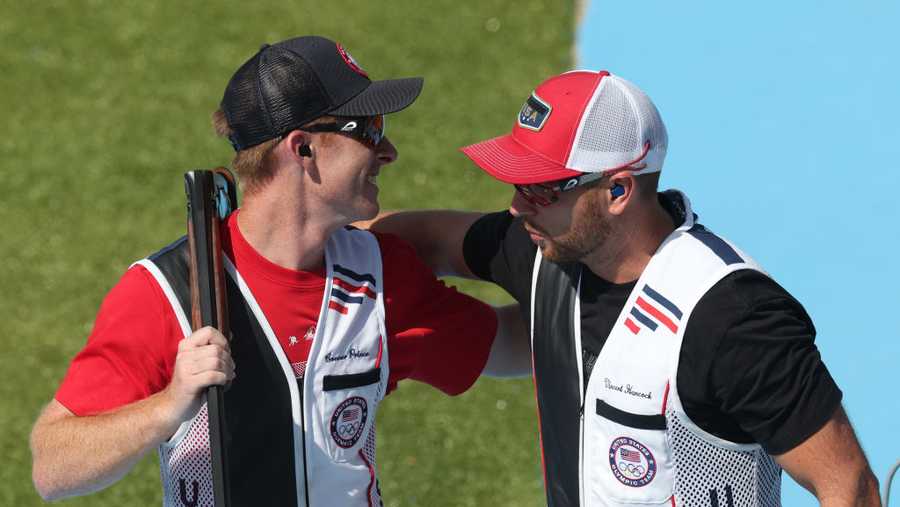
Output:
x,y
368,130
545,194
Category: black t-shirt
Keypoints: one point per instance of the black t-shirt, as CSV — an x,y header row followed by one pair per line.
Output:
x,y
749,370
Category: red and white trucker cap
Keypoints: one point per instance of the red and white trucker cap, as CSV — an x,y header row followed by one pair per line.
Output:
x,y
574,123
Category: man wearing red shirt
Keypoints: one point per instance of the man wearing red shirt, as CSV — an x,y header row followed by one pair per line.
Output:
x,y
326,318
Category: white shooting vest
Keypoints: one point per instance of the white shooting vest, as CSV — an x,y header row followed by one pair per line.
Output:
x,y
638,446
332,407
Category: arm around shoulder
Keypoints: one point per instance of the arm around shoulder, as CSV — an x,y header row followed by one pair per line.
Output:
x,y
436,235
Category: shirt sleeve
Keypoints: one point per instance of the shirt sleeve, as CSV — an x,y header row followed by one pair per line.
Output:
x,y
130,353
436,334
767,373
497,249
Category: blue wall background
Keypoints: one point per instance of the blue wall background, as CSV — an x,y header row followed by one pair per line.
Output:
x,y
784,130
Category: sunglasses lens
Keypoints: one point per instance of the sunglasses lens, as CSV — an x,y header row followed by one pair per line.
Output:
x,y
375,129
537,194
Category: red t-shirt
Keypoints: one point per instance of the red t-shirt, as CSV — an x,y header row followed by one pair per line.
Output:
x,y
435,334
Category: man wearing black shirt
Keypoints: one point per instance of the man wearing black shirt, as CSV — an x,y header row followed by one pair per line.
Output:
x,y
745,323
670,369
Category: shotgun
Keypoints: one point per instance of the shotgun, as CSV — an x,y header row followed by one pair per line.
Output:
x,y
211,196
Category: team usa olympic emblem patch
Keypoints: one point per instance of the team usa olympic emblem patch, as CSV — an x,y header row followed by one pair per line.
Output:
x,y
351,62
631,462
348,421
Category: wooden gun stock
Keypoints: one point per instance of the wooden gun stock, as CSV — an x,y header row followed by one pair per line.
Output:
x,y
211,196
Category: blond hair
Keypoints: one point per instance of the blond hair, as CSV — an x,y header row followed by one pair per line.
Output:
x,y
254,166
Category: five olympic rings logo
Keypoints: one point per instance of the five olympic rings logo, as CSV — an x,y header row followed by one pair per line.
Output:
x,y
632,469
347,429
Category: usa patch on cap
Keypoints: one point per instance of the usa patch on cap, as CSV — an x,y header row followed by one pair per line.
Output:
x,y
534,113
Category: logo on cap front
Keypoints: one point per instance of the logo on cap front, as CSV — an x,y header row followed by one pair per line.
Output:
x,y
351,62
534,113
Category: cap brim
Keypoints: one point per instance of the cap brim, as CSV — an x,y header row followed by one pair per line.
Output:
x,y
507,160
382,97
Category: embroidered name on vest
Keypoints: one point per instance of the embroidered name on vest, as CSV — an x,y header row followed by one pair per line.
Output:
x,y
351,353
625,388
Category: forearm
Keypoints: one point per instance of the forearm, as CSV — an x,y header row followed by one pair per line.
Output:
x,y
859,490
77,455
511,352
436,235
832,466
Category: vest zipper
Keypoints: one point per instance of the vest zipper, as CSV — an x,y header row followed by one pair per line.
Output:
x,y
303,439
581,499
582,387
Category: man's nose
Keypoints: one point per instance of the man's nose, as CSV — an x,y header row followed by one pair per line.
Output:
x,y
386,152
520,207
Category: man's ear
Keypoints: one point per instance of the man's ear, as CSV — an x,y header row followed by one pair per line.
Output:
x,y
298,143
301,153
621,190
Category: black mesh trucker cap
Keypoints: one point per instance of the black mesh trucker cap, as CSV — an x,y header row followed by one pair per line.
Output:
x,y
290,83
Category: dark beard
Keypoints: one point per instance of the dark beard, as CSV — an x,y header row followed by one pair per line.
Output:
x,y
585,236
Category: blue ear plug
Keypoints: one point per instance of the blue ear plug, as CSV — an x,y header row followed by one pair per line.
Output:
x,y
617,191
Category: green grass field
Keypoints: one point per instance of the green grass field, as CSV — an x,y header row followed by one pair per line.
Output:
x,y
106,104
